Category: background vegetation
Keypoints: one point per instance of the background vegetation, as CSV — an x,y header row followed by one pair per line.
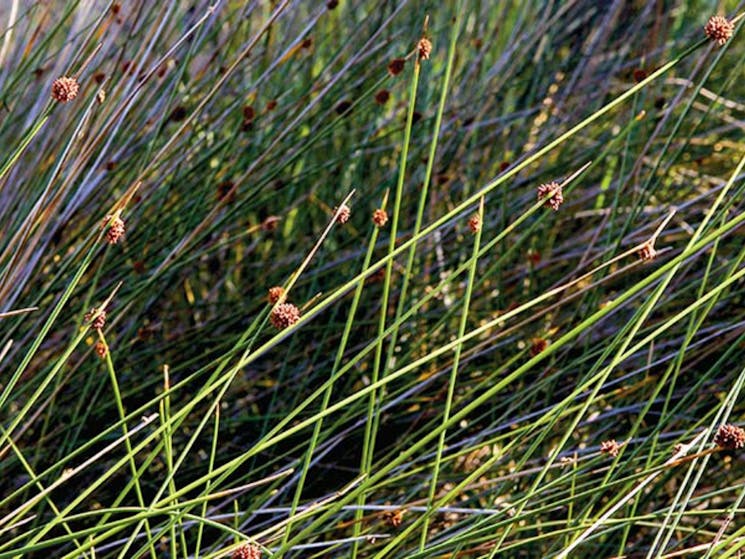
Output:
x,y
448,388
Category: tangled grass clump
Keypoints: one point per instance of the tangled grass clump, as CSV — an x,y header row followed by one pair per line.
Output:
x,y
457,364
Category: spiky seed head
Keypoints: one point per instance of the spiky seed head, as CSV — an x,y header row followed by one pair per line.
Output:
x,y
284,315
380,217
343,214
247,551
474,223
719,29
65,89
97,318
424,48
730,436
115,230
552,189
610,447
275,294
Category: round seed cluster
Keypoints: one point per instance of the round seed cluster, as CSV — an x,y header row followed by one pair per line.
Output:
x,y
719,29
100,349
610,447
284,316
65,89
730,437
116,229
474,223
424,47
275,294
247,551
555,201
343,215
380,217
99,321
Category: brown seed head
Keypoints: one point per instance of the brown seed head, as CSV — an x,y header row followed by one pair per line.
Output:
x,y
639,75
331,4
610,447
116,229
647,252
394,517
546,190
538,345
343,215
382,96
65,89
730,437
100,349
396,66
380,217
97,321
270,223
284,315
247,551
424,48
474,223
719,29
275,294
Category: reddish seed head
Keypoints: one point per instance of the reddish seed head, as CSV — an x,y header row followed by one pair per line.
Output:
x,y
730,437
396,66
639,75
610,447
382,96
555,201
97,321
343,215
100,349
380,217
270,223
331,4
247,551
284,315
474,223
275,294
424,48
538,345
116,229
719,29
65,89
